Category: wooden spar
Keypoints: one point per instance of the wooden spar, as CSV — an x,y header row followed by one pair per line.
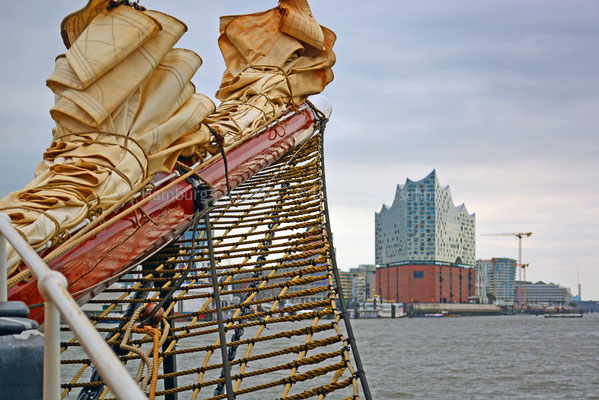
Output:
x,y
99,261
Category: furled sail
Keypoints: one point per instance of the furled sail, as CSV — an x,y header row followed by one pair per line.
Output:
x,y
126,109
275,59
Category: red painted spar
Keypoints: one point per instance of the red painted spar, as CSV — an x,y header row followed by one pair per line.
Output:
x,y
101,260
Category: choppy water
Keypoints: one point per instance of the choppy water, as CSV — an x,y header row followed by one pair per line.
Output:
x,y
503,357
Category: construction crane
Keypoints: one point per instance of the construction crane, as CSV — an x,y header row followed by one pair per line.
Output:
x,y
521,267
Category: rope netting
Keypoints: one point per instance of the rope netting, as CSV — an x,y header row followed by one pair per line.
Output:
x,y
275,268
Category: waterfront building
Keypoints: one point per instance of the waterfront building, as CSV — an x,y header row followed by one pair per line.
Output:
x,y
433,282
345,281
425,245
358,288
588,306
369,273
482,281
545,293
423,224
354,286
501,278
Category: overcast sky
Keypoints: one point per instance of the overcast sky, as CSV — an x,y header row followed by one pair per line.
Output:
x,y
501,97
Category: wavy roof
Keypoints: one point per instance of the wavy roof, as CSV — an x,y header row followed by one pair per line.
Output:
x,y
410,184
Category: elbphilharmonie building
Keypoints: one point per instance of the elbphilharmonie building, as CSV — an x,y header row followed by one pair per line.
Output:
x,y
423,224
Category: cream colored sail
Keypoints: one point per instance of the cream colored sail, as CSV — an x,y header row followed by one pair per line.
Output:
x,y
275,59
126,109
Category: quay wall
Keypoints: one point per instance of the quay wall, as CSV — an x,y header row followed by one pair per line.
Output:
x,y
454,308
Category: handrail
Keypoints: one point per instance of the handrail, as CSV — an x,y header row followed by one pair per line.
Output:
x,y
53,287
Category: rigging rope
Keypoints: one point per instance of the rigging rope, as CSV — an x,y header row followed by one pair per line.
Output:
x,y
275,272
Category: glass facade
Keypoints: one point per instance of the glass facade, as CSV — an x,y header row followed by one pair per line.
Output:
x,y
501,277
423,224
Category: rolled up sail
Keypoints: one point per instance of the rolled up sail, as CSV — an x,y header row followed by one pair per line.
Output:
x,y
126,109
275,60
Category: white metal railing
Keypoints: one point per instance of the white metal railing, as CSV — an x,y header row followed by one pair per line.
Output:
x,y
53,287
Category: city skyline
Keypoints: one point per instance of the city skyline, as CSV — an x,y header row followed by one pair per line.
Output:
x,y
499,97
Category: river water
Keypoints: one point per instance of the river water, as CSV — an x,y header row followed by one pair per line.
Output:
x,y
494,357
499,357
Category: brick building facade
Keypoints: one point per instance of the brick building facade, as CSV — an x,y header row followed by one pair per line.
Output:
x,y
425,283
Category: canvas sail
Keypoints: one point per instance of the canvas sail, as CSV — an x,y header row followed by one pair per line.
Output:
x,y
125,107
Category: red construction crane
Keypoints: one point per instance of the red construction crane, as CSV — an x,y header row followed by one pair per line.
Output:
x,y
521,267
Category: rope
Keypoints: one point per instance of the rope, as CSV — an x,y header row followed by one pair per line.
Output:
x,y
67,247
274,269
88,231
158,339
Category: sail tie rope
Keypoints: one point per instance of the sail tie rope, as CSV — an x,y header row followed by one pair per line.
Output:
x,y
158,339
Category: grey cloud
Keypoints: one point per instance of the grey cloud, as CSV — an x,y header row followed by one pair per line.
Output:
x,y
500,96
